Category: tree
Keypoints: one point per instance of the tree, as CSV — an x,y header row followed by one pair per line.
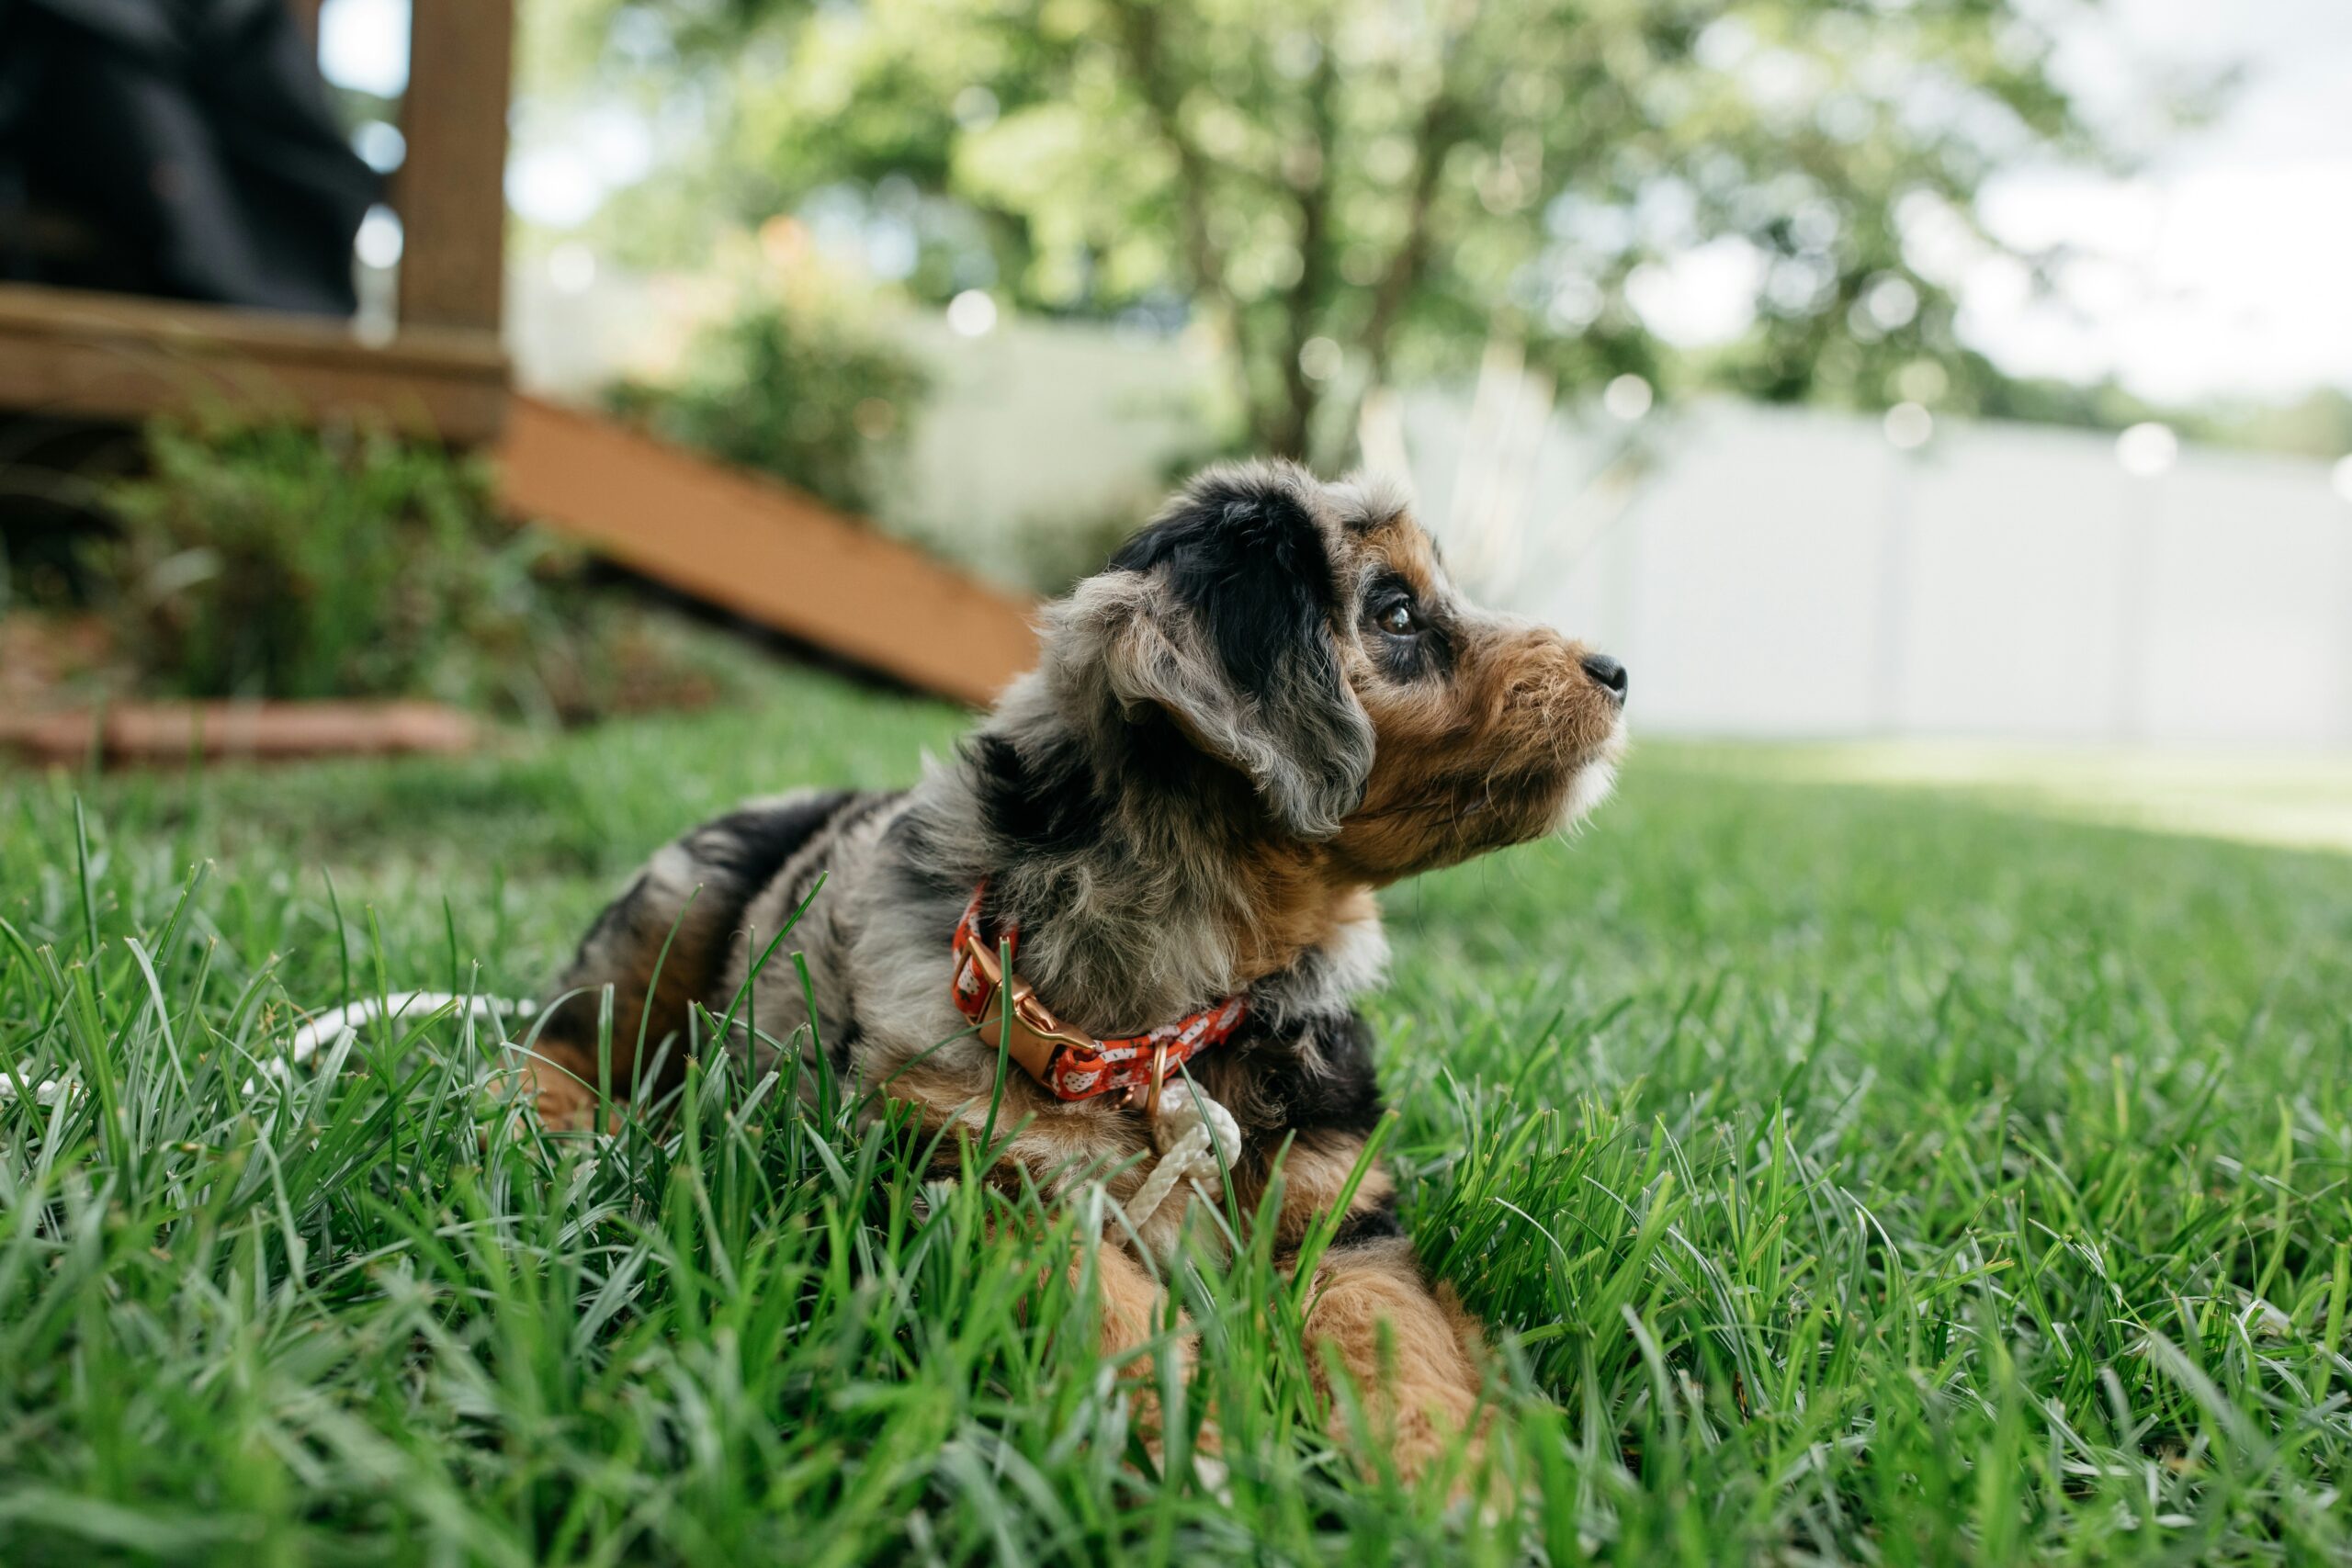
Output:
x,y
1349,191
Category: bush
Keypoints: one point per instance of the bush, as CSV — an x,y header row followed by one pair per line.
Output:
x,y
798,388
272,560
268,560
1049,555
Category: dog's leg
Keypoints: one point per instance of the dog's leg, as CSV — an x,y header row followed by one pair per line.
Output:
x,y
1132,1303
1410,1352
624,949
562,1087
1134,1308
660,946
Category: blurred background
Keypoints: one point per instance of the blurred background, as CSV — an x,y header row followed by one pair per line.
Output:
x,y
1964,382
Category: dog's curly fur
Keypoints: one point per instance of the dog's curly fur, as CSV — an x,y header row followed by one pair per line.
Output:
x,y
1270,704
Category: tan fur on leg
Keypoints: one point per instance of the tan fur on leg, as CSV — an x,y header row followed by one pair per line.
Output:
x,y
1412,1353
562,1089
1131,1299
1134,1307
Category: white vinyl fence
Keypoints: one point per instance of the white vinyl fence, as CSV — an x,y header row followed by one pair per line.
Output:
x,y
1792,573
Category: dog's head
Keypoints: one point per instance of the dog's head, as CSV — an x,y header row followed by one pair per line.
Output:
x,y
1307,637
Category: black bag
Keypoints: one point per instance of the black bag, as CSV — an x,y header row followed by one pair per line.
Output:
x,y
178,148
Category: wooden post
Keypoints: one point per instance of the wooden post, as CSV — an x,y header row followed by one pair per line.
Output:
x,y
451,194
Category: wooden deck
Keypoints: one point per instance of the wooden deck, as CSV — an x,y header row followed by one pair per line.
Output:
x,y
77,355
735,539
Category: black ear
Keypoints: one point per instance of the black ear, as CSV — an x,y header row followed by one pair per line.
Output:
x,y
1234,638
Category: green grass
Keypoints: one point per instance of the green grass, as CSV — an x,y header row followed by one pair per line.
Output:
x,y
1854,1175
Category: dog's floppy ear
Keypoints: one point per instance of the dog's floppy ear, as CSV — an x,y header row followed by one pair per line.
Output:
x,y
1219,614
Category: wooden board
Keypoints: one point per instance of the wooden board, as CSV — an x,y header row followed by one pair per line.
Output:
x,y
763,549
151,734
118,356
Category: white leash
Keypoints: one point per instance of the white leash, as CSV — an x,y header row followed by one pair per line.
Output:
x,y
1198,1140
331,1030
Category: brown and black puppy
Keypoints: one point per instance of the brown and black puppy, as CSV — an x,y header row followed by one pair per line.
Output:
x,y
1270,704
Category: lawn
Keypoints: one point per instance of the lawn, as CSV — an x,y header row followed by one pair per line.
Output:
x,y
1850,1175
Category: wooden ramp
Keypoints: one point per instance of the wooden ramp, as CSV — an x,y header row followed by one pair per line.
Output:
x,y
763,549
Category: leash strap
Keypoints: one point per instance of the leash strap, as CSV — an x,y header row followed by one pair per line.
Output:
x,y
1198,1140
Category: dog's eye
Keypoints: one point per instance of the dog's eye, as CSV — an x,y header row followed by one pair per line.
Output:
x,y
1398,619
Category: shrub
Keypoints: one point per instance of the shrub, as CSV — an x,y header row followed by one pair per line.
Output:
x,y
272,560
269,560
801,388
1049,554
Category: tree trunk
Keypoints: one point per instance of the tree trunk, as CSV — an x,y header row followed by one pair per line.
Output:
x,y
1291,430
1282,427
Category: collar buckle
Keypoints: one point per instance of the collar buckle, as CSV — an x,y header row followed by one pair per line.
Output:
x,y
1036,1033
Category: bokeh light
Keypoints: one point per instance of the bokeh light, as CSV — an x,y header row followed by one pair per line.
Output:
x,y
971,314
2147,449
1908,426
1627,398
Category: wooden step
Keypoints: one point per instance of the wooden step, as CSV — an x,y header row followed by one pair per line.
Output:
x,y
759,547
70,353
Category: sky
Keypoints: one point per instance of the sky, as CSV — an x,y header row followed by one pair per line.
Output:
x,y
2222,268
2219,268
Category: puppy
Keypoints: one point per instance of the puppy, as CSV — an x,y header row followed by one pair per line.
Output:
x,y
1270,704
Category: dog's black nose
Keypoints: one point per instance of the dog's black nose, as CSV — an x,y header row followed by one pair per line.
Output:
x,y
1608,672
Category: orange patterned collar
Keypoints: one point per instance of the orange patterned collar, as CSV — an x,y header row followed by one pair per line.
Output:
x,y
1070,1065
